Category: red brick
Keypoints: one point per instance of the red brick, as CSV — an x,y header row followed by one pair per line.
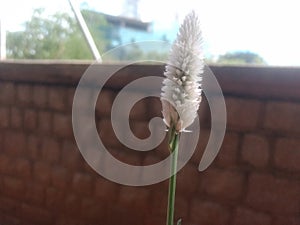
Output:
x,y
139,111
161,151
30,119
11,220
151,158
40,96
156,107
22,168
7,93
150,220
54,199
140,129
287,154
202,143
35,194
242,113
282,117
24,94
93,210
106,189
107,135
8,205
60,177
62,125
4,117
57,98
208,213
125,155
88,169
182,208
156,155
228,153
274,195
86,93
71,157
31,214
131,216
1,142
51,150
16,117
64,221
134,197
72,205
14,143
188,179
42,173
104,103
204,113
223,184
44,121
283,220
33,147
70,97
13,187
159,200
255,150
82,183
6,165
248,217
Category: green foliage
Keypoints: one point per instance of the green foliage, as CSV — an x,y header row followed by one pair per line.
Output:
x,y
240,57
59,36
53,37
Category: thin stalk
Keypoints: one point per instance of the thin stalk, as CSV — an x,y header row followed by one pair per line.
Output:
x,y
173,145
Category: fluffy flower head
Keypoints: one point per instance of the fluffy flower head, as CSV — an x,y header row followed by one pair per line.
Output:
x,y
181,91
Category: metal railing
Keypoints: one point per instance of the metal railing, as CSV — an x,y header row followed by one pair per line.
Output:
x,y
85,30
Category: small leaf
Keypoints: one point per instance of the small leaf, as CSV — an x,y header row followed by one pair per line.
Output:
x,y
179,222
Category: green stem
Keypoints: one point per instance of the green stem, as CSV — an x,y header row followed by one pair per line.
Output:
x,y
173,144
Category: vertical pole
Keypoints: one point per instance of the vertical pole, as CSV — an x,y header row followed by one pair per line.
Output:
x,y
2,40
86,31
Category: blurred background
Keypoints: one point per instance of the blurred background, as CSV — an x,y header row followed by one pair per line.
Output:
x,y
235,32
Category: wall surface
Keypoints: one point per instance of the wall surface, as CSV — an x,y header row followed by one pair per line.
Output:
x,y
254,180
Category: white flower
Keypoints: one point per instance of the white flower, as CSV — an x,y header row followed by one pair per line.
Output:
x,y
181,91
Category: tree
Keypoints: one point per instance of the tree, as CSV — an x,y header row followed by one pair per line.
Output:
x,y
240,57
54,37
59,36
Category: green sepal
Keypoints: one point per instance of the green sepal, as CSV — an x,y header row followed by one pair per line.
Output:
x,y
171,137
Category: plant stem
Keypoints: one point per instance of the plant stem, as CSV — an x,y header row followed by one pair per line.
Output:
x,y
173,145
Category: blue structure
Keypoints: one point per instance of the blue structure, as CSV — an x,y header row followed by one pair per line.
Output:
x,y
133,30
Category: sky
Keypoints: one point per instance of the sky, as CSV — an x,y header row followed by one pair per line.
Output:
x,y
268,28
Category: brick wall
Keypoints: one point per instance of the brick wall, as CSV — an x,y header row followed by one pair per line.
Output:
x,y
255,179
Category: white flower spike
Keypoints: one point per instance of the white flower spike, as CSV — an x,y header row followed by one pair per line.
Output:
x,y
181,91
